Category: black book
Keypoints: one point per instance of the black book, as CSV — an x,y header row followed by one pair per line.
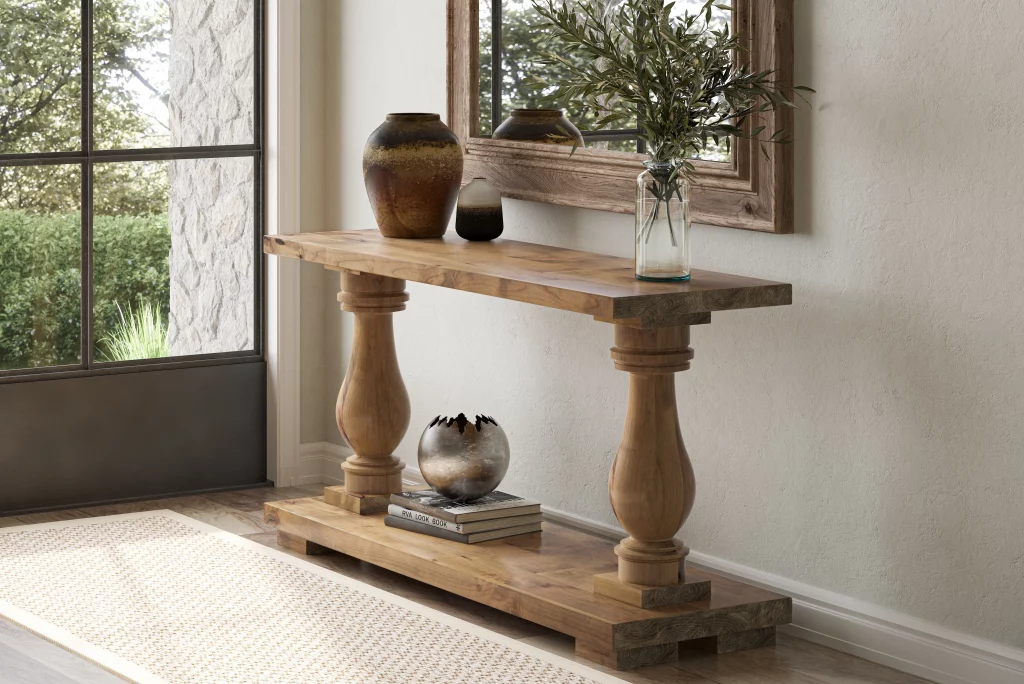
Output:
x,y
441,533
494,505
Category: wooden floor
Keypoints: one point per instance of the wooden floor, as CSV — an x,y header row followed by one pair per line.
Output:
x,y
25,659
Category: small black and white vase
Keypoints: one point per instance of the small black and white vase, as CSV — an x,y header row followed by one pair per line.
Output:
x,y
478,213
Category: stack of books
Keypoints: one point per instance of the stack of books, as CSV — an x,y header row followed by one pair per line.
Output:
x,y
494,516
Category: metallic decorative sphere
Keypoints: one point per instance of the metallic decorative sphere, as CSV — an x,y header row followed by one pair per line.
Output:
x,y
463,460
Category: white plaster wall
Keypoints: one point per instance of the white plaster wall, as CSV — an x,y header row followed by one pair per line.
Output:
x,y
312,188
867,439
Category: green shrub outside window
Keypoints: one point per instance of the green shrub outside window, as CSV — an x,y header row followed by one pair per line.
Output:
x,y
40,271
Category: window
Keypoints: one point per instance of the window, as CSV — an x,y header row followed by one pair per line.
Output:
x,y
737,186
130,183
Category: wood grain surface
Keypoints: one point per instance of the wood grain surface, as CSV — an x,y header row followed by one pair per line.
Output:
x,y
546,578
584,282
644,596
373,405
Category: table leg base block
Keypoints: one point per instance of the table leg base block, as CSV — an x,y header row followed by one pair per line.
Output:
x,y
360,480
651,564
547,578
300,545
643,596
628,658
363,504
360,504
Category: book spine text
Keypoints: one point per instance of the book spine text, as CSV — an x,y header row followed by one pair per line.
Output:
x,y
423,518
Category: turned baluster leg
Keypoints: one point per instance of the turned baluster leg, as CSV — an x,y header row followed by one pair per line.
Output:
x,y
373,406
651,484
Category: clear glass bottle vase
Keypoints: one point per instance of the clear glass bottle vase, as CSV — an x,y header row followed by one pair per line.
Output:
x,y
662,223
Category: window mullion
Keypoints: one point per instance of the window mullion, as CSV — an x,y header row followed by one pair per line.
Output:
x,y
496,79
87,168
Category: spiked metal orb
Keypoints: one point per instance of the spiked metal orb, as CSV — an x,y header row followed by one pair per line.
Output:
x,y
463,460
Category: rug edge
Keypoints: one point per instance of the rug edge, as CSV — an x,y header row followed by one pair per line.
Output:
x,y
61,638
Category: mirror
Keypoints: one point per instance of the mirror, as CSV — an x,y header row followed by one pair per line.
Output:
x,y
737,187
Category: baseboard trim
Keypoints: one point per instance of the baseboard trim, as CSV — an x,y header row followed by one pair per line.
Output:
x,y
320,462
859,628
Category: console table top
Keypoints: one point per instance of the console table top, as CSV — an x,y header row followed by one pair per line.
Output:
x,y
584,282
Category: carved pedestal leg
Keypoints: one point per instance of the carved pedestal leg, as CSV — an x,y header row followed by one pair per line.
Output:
x,y
373,406
651,483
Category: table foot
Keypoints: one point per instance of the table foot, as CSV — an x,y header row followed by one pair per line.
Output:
x,y
730,642
360,504
646,596
300,545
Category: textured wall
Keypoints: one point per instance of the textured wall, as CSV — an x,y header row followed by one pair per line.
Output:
x,y
867,439
211,211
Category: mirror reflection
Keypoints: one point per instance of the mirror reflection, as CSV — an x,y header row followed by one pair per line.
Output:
x,y
514,40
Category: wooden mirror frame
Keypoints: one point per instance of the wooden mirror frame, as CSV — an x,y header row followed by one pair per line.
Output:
x,y
751,191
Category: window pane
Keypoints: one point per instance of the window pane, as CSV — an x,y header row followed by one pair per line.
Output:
x,y
40,76
173,258
40,266
173,73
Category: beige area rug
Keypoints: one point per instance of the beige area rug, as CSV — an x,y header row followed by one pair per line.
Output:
x,y
158,597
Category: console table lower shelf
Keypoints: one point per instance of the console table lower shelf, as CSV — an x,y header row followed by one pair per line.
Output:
x,y
546,578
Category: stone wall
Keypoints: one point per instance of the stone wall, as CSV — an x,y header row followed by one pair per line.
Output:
x,y
211,201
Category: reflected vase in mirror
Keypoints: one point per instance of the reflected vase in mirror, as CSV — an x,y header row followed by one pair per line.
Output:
x,y
463,459
539,125
478,214
662,223
412,168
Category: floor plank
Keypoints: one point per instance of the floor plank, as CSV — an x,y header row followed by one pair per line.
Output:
x,y
28,659
792,661
201,508
252,500
53,516
835,667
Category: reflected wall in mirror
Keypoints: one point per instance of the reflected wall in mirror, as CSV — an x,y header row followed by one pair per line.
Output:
x,y
736,185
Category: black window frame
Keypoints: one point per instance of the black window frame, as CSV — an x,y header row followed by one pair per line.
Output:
x,y
87,157
497,108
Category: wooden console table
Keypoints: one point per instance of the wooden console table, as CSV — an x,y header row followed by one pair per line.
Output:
x,y
624,612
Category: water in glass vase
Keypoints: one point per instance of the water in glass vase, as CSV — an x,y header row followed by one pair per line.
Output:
x,y
662,223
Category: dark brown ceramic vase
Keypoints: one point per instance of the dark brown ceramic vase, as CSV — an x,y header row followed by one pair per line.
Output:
x,y
539,125
412,168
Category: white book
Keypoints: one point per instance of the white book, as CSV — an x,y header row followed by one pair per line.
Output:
x,y
463,528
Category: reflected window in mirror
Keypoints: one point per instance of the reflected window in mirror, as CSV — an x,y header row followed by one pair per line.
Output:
x,y
514,41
